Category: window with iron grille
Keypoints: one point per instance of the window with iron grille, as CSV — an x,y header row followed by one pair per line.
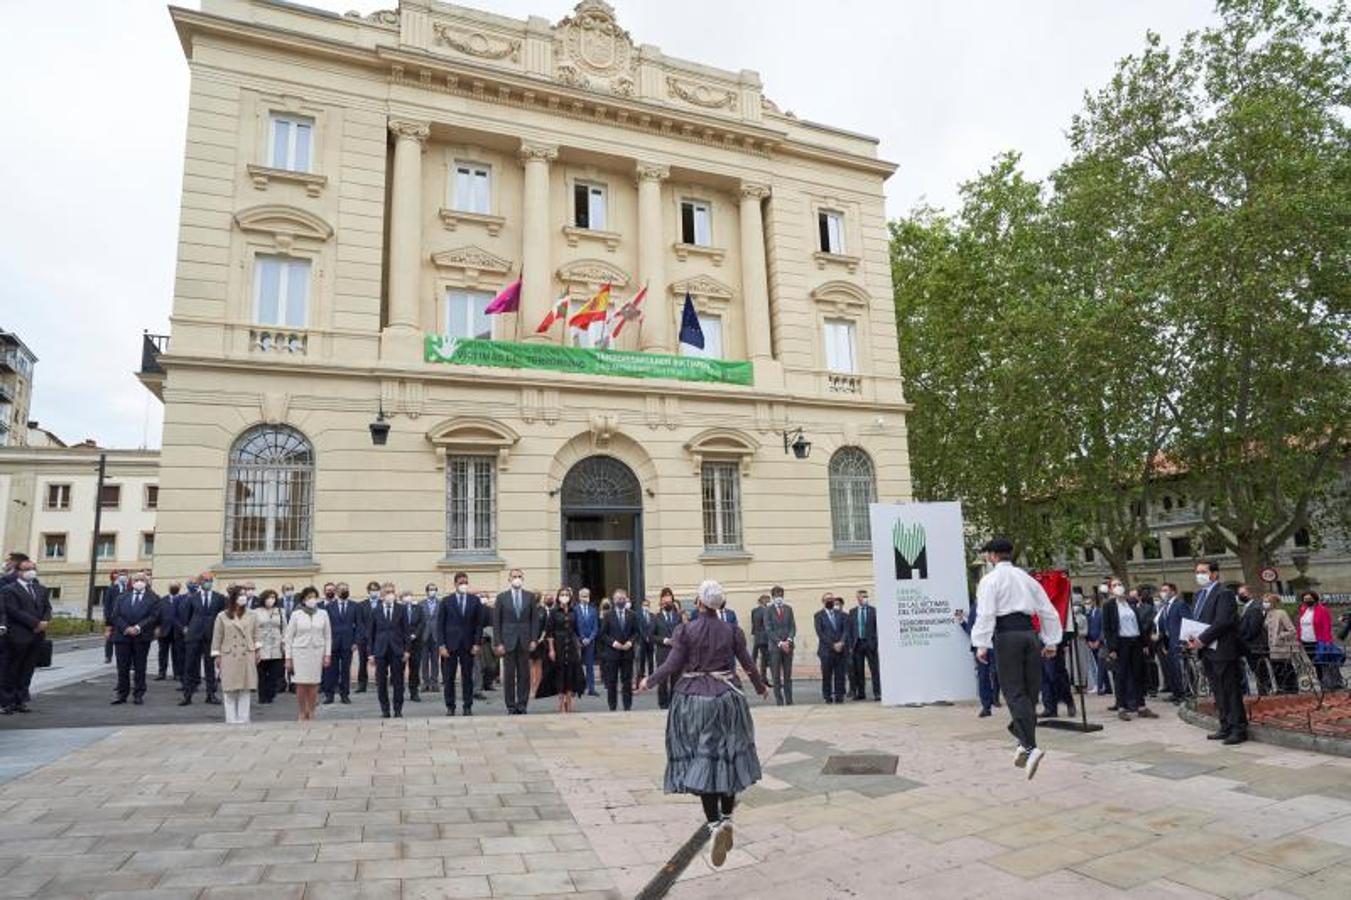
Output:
x,y
852,487
471,504
269,510
722,506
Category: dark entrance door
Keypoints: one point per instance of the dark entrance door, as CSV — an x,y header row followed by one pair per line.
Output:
x,y
602,505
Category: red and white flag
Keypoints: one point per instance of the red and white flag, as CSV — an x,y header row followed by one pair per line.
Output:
x,y
557,314
629,312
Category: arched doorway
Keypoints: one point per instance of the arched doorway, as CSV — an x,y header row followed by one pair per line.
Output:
x,y
602,507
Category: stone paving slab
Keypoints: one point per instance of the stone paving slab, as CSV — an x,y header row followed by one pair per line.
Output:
x,y
552,806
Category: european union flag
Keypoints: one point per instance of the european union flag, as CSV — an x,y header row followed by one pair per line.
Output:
x,y
690,332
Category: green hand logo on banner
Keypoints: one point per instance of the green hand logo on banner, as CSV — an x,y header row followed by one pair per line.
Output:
x,y
912,559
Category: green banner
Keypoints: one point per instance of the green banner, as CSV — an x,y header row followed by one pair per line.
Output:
x,y
510,355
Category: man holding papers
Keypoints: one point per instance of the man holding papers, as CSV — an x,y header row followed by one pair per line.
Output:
x,y
1221,655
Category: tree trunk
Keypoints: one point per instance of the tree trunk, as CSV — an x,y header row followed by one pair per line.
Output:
x,y
1250,557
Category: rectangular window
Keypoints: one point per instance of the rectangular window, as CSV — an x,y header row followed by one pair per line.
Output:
x,y
1130,552
711,326
1151,548
147,545
841,353
588,202
472,186
471,504
291,137
57,497
1089,554
106,547
1180,547
830,224
590,336
281,290
111,496
54,593
465,316
696,223
152,496
53,546
722,506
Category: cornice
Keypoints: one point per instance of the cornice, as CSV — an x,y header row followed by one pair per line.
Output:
x,y
418,69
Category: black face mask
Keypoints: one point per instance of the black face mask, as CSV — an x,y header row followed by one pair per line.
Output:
x,y
328,595
344,594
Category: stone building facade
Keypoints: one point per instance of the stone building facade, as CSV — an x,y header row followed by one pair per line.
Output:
x,y
353,185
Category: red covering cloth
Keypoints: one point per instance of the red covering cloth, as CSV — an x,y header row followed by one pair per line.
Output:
x,y
1056,584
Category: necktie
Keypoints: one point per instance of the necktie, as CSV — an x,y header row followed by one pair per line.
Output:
x,y
516,599
342,609
862,619
389,616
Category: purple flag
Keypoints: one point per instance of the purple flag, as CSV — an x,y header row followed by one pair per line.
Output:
x,y
507,301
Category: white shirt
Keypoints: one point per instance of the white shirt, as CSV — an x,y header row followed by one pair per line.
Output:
x,y
1008,589
1306,627
1128,622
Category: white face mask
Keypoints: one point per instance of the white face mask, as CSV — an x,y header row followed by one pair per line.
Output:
x,y
30,574
1202,579
862,601
431,595
241,600
311,602
517,582
1118,590
374,595
138,585
1266,604
461,588
778,601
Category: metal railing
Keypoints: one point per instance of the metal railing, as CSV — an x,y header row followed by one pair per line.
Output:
x,y
1268,683
152,345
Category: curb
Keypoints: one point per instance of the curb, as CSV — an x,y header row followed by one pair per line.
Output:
x,y
1280,737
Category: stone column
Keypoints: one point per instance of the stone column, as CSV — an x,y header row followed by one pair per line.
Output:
x,y
656,331
536,241
754,273
402,336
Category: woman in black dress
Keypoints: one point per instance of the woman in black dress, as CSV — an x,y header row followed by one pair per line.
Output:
x,y
565,676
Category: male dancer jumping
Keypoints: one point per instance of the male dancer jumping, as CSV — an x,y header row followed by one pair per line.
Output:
x,y
1006,599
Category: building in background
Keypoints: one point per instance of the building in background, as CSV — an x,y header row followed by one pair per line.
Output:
x,y
48,495
16,389
356,191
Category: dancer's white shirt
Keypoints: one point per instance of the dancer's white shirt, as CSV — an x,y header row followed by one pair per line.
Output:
x,y
1008,589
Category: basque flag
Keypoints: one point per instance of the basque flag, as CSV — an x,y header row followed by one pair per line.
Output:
x,y
690,332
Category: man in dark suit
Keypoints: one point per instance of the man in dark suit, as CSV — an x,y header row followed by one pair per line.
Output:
x,y
588,630
117,583
25,612
429,665
759,643
832,644
417,623
664,625
645,657
135,615
364,609
863,645
349,628
166,634
387,639
987,670
618,636
781,633
1216,607
1172,610
516,622
458,632
199,618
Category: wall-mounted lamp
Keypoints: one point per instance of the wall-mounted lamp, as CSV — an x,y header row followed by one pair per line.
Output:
x,y
797,444
380,428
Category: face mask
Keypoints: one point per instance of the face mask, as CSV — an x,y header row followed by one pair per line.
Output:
x,y
206,585
407,600
328,595
1118,591
344,594
778,601
862,601
373,595
517,582
269,601
193,588
288,594
241,600
389,598
431,595
30,574
462,588
585,598
311,602
122,580
1202,579
135,585
622,603
1266,605
249,593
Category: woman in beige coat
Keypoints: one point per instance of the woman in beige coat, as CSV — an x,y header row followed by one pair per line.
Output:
x,y
308,643
1283,644
234,647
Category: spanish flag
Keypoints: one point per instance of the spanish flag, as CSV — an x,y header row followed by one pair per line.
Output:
x,y
597,309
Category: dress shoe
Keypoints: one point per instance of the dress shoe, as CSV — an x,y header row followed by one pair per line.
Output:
x,y
1237,737
348,700
1147,713
414,698
139,701
118,701
468,711
398,714
361,689
984,714
186,701
328,700
1113,708
1123,716
1217,735
160,678
1070,711
1047,714
450,713
213,699
479,695
384,715
22,708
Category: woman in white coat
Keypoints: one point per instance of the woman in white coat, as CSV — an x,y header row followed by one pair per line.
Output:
x,y
308,643
234,647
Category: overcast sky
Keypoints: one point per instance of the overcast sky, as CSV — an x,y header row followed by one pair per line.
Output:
x,y
93,107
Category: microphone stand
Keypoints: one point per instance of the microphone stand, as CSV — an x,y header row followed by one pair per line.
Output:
x,y
1083,726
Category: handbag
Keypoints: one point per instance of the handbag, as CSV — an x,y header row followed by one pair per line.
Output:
x,y
44,657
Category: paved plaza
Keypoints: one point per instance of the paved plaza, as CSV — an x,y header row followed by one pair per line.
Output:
x,y
548,805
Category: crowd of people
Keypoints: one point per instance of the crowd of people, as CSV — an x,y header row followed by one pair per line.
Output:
x,y
323,644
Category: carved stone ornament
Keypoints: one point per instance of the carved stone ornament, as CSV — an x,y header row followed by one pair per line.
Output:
x,y
388,17
652,172
288,222
702,286
750,190
538,153
594,52
701,94
477,43
471,258
408,128
592,271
